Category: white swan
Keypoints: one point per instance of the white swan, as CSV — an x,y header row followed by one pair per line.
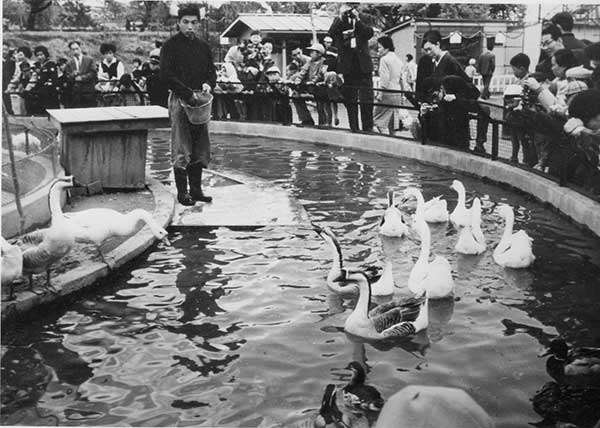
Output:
x,y
397,318
384,285
434,210
12,264
392,224
461,216
470,238
434,278
96,225
44,247
514,249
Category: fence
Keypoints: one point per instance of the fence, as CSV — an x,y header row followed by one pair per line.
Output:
x,y
31,160
498,82
515,142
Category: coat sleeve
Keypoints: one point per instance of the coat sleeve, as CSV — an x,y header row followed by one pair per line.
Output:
x,y
89,74
212,70
384,74
363,31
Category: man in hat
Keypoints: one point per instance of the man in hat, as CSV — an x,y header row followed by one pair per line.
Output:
x,y
158,91
351,37
187,67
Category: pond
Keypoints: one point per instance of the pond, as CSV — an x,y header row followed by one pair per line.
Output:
x,y
236,327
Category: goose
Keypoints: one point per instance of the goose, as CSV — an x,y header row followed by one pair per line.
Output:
x,y
574,366
12,264
514,249
329,413
461,216
96,225
395,319
42,248
392,223
567,404
434,278
434,210
384,285
358,395
471,239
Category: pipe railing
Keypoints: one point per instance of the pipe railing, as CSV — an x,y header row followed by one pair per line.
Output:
x,y
283,94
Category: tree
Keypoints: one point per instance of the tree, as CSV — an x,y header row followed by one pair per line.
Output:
x,y
76,14
15,12
35,8
514,12
113,10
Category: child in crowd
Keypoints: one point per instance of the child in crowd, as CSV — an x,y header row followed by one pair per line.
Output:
x,y
519,136
471,70
334,84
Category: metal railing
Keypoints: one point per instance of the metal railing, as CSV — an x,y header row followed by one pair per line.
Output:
x,y
33,157
286,103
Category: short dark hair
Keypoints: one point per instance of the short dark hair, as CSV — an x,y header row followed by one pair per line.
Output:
x,y
565,58
520,60
42,49
74,42
386,42
585,105
158,44
107,47
61,61
139,61
25,51
409,57
564,19
255,32
593,51
553,30
188,9
432,36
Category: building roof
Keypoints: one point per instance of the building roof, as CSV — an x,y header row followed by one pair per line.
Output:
x,y
277,23
443,21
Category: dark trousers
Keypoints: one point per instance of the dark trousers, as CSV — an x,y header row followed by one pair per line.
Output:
x,y
352,95
485,94
303,114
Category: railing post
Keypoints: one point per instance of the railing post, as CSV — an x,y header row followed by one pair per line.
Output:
x,y
13,168
495,140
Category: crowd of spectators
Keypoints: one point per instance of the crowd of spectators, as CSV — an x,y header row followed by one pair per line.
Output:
x,y
33,82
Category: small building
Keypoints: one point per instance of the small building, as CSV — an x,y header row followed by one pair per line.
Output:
x,y
464,38
282,28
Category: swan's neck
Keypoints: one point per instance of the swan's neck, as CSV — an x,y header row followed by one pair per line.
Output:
x,y
508,227
425,243
54,203
143,215
461,197
336,255
364,300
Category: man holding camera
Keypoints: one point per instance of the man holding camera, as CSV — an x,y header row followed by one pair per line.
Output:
x,y
351,37
187,67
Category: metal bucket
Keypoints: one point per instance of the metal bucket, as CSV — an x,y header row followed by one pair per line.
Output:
x,y
199,115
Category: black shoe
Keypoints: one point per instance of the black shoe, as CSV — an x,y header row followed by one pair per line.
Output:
x,y
185,199
202,198
194,173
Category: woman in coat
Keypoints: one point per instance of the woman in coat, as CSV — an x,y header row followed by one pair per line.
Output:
x,y
390,78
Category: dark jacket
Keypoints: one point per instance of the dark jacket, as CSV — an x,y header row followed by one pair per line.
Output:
x,y
352,60
87,72
486,63
8,69
449,66
186,64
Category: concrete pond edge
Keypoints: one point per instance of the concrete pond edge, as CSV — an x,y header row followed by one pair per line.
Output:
x,y
88,273
574,205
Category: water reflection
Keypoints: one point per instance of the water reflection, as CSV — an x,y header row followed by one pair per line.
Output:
x,y
238,328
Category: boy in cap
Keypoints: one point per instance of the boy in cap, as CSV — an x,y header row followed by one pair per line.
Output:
x,y
187,67
314,79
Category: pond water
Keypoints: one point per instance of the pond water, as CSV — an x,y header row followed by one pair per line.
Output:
x,y
236,327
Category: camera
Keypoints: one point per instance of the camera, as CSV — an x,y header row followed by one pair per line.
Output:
x,y
349,14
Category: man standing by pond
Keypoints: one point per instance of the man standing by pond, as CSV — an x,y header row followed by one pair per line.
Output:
x,y
187,66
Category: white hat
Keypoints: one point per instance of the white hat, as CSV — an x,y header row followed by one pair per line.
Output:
x,y
418,406
155,52
317,47
273,69
579,72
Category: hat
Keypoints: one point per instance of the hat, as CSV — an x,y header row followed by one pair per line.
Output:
x,y
575,86
328,38
273,69
418,406
317,47
154,59
579,72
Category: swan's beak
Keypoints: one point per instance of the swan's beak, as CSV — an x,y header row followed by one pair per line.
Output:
x,y
544,353
77,183
317,229
166,241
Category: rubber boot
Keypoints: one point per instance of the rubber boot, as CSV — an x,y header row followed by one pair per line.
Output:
x,y
181,182
194,173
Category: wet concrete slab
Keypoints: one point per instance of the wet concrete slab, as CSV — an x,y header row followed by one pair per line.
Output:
x,y
241,200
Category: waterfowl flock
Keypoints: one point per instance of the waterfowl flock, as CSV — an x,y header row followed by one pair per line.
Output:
x,y
403,315
40,250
